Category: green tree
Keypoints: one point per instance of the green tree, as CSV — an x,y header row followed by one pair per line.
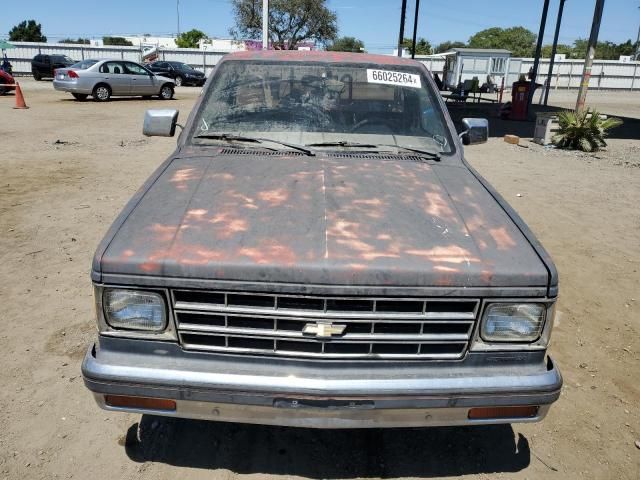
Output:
x,y
626,48
423,47
604,50
190,39
79,41
346,44
448,45
561,49
519,40
119,41
290,21
27,31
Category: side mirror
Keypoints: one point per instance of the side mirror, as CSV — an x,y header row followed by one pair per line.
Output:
x,y
160,123
476,130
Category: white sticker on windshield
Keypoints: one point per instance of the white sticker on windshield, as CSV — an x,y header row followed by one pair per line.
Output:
x,y
393,78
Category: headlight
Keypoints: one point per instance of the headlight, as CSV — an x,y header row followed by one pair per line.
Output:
x,y
512,322
134,310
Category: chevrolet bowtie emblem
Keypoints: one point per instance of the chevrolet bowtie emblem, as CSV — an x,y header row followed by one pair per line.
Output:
x,y
323,329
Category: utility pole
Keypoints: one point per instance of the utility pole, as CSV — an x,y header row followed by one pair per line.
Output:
x,y
637,55
553,51
265,24
536,60
178,15
401,36
415,29
591,52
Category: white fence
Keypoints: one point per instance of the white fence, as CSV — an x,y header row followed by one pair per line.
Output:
x,y
605,75
20,57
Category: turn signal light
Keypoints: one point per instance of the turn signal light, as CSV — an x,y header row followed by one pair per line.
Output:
x,y
144,403
493,413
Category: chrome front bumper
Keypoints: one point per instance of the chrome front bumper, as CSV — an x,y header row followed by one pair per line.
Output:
x,y
323,417
330,396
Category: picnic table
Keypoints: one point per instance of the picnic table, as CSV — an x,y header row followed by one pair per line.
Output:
x,y
472,97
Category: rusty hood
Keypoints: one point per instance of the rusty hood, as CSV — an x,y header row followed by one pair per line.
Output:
x,y
321,220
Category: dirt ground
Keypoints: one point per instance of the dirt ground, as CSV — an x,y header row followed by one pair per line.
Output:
x,y
67,168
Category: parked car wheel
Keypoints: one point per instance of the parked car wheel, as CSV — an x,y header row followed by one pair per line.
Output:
x,y
81,97
37,76
179,81
101,92
166,92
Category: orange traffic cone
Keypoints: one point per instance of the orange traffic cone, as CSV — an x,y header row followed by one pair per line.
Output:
x,y
19,98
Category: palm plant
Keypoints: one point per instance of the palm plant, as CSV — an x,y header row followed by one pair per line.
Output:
x,y
584,131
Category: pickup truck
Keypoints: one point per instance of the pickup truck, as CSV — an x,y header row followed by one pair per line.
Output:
x,y
318,253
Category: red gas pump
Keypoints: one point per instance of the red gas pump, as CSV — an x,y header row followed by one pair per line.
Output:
x,y
519,100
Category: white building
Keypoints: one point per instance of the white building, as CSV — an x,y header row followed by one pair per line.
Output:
x,y
168,43
468,63
221,45
162,42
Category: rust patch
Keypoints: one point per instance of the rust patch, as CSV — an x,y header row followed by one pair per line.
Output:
x,y
503,240
372,202
183,176
230,225
226,177
437,206
444,268
448,254
272,254
162,233
275,197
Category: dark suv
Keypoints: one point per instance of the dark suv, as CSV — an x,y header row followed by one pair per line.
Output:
x,y
44,65
181,73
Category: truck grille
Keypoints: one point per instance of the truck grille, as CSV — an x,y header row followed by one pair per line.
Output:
x,y
324,327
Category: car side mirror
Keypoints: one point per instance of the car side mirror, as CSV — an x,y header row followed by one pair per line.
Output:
x,y
160,123
476,130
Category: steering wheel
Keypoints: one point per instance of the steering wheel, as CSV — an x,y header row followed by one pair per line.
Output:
x,y
367,121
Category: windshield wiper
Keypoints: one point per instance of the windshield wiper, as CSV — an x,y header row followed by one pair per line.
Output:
x,y
341,143
432,155
229,137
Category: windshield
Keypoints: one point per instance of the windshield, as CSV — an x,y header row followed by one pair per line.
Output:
x,y
181,66
341,105
84,64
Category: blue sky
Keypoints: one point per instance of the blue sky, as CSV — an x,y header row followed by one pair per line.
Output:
x,y
376,22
